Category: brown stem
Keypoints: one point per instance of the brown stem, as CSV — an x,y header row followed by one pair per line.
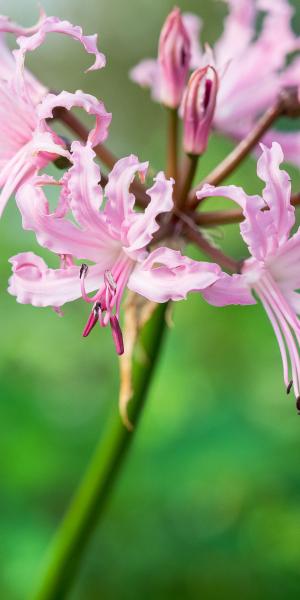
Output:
x,y
215,254
188,175
226,217
172,143
231,162
104,155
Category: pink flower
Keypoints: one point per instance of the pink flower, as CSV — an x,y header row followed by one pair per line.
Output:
x,y
252,69
272,272
256,69
198,109
27,142
115,238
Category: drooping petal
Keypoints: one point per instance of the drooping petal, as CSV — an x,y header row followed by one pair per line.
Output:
x,y
141,231
229,289
32,282
120,201
8,26
57,233
168,275
277,192
86,101
55,25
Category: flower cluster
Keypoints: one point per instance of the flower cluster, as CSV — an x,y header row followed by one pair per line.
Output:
x,y
103,240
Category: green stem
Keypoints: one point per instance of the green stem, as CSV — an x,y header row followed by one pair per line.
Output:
x,y
89,501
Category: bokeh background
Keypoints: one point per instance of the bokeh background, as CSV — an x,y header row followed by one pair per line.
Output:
x,y
208,504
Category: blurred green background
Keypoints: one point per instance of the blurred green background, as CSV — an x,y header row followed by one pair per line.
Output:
x,y
208,504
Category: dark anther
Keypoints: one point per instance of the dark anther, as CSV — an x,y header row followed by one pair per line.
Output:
x,y
83,270
97,307
289,387
298,405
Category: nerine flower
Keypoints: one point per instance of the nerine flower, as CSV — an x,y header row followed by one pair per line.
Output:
x,y
252,68
111,235
27,142
272,272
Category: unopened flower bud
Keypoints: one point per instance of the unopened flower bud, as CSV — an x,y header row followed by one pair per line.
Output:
x,y
174,55
198,109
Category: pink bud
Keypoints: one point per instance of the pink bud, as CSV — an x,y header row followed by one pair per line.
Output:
x,y
198,109
174,55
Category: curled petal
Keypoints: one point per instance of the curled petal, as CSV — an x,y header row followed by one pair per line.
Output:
x,y
32,282
89,103
277,192
289,142
84,192
55,25
167,275
145,225
120,201
229,289
8,26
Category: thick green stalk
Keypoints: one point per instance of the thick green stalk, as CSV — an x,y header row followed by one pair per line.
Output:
x,y
89,502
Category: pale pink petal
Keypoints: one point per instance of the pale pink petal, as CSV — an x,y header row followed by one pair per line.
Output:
x,y
120,201
229,289
25,163
254,78
193,26
289,142
147,74
57,233
277,192
291,75
89,103
141,231
285,264
167,275
239,28
32,282
55,25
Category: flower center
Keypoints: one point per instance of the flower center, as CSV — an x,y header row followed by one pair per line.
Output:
x,y
106,302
